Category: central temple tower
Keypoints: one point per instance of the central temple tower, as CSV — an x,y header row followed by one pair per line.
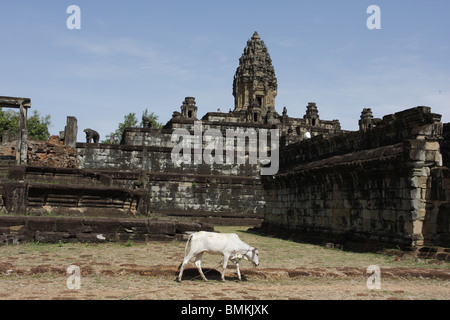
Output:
x,y
255,84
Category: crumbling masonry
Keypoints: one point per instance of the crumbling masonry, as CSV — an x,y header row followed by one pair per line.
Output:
x,y
382,184
387,183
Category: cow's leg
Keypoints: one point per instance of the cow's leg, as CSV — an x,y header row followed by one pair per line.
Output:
x,y
198,263
225,263
185,262
237,268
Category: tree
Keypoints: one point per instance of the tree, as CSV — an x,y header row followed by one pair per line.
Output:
x,y
153,118
130,120
36,124
9,120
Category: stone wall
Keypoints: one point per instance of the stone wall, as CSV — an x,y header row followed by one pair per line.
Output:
x,y
445,145
19,229
216,190
144,159
436,227
206,196
84,192
371,186
44,190
152,159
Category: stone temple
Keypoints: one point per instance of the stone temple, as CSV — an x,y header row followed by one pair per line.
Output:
x,y
255,90
387,183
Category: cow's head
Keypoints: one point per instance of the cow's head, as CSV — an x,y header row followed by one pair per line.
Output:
x,y
253,256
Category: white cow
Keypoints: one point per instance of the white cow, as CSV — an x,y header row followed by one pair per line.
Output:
x,y
227,244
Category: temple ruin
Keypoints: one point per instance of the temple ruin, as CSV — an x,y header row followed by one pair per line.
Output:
x,y
387,183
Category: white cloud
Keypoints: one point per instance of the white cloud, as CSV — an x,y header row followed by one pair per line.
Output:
x,y
125,56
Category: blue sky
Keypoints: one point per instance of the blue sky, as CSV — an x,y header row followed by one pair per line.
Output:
x,y
133,55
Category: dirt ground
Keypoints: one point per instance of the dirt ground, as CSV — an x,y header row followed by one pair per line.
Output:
x,y
288,271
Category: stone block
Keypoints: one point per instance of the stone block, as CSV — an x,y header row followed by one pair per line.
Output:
x,y
17,173
181,237
93,237
441,255
133,226
4,230
160,237
102,225
70,132
161,227
11,239
15,197
51,237
71,225
8,221
389,215
130,223
182,227
140,237
41,224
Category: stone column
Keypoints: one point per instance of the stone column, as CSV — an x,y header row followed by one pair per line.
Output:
x,y
5,137
423,155
70,132
22,136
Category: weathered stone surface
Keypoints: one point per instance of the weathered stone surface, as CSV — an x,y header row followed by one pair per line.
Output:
x,y
51,237
7,221
159,237
182,227
52,230
383,183
255,79
161,227
51,153
374,184
70,132
14,199
93,237
70,225
11,239
41,223
177,190
102,225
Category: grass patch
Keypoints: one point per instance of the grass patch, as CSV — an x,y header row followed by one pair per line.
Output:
x,y
139,271
279,253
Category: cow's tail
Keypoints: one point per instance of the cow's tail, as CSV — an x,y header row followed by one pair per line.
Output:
x,y
185,249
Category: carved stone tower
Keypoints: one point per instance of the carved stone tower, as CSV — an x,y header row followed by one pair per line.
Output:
x,y
189,109
366,122
255,84
312,115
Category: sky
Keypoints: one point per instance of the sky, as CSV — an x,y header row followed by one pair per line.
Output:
x,y
134,55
